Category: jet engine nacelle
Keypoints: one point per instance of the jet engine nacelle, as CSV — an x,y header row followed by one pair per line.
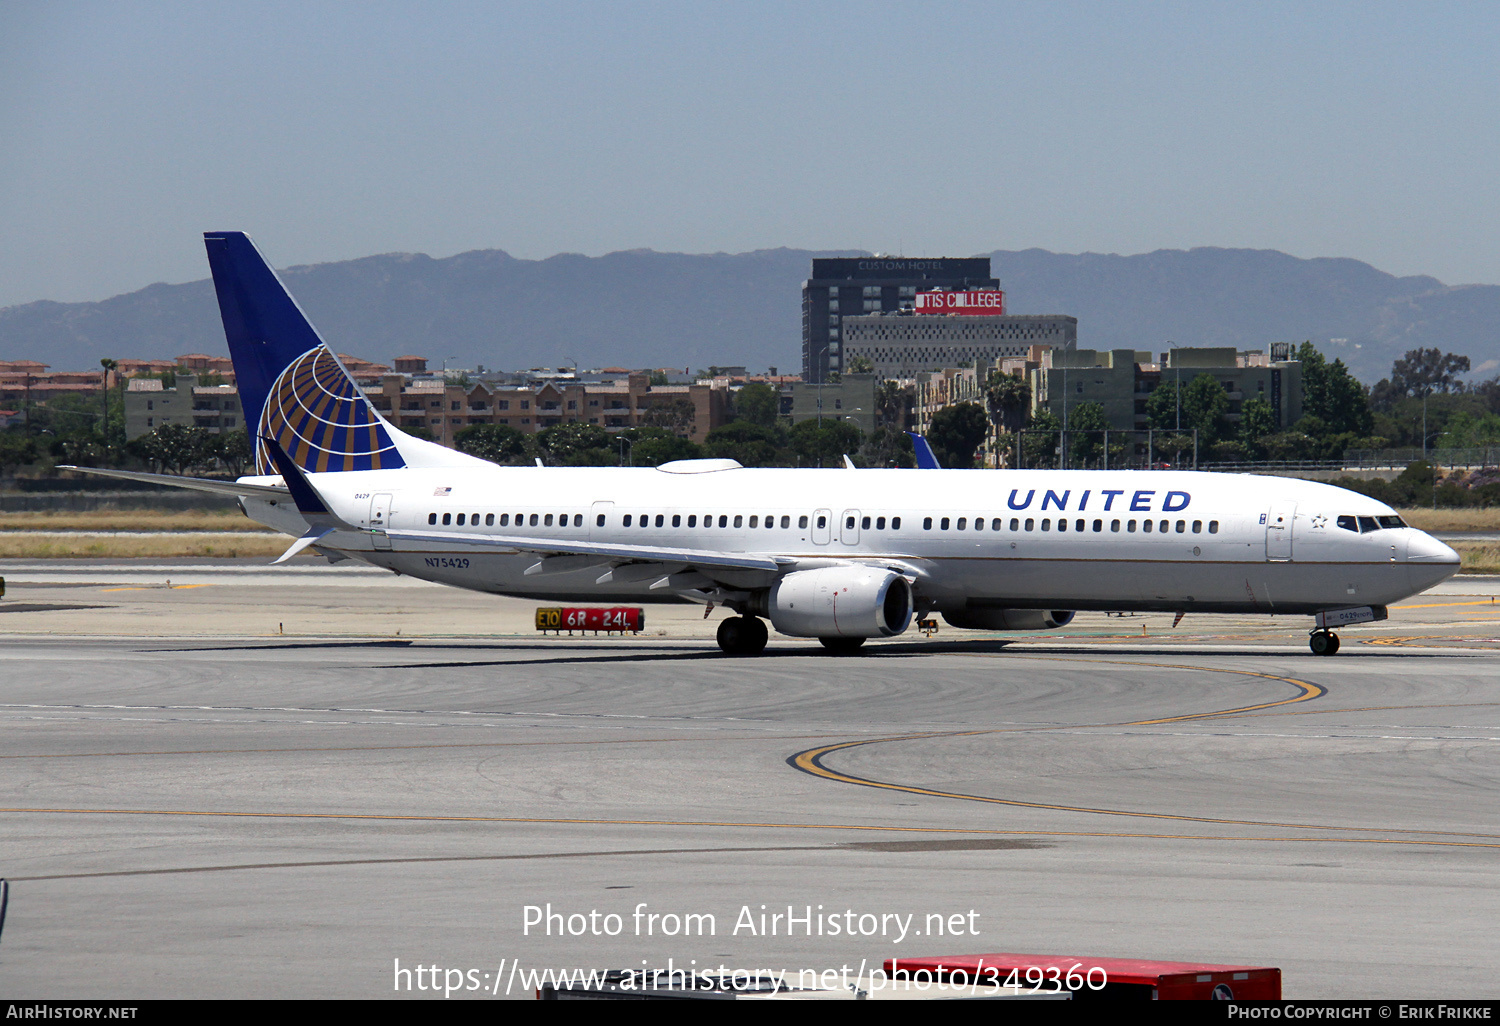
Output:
x,y
1009,619
841,602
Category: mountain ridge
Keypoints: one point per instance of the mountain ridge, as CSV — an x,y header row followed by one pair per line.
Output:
x,y
641,307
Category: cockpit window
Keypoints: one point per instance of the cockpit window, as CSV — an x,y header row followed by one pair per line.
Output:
x,y
1364,525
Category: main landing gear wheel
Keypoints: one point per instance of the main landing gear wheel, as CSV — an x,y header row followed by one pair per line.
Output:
x,y
1324,643
742,635
842,646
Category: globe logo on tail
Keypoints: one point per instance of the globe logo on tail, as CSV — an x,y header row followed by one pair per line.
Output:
x,y
322,420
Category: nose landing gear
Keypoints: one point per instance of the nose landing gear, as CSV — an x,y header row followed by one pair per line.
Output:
x,y
742,635
1323,642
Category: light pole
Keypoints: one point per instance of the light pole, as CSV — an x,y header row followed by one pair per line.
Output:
x,y
1431,466
1177,396
107,365
1062,436
820,423
1177,388
854,420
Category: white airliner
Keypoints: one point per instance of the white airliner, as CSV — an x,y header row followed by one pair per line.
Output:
x,y
838,555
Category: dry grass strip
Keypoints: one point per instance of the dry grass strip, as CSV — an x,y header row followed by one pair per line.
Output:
x,y
221,545
130,520
1474,519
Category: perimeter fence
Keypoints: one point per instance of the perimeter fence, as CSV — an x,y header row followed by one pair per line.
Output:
x,y
1169,450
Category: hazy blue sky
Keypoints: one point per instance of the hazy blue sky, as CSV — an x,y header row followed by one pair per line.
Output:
x,y
329,131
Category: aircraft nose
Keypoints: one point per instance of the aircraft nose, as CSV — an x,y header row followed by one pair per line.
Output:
x,y
1428,561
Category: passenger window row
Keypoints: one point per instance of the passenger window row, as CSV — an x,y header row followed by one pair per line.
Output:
x,y
1079,525
769,521
864,523
537,519
725,520
739,520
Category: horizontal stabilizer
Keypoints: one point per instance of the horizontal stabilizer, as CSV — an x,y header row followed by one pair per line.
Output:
x,y
313,536
197,484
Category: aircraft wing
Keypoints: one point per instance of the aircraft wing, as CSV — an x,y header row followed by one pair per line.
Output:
x,y
198,484
561,547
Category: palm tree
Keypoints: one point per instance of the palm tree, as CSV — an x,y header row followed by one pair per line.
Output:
x,y
892,404
1007,400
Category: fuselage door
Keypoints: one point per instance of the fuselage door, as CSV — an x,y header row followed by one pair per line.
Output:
x,y
599,514
1279,531
380,515
849,527
822,526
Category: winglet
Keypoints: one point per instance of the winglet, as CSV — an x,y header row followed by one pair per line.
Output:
x,y
925,458
309,502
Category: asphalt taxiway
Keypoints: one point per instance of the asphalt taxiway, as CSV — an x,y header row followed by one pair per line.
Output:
x,y
251,783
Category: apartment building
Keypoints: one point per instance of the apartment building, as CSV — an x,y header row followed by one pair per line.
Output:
x,y
445,408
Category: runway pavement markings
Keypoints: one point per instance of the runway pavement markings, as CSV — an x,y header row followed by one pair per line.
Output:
x,y
158,587
849,847
1307,691
1321,711
1440,605
418,859
401,748
810,761
1447,641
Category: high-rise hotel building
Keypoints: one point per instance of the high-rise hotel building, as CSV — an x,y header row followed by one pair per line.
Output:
x,y
855,286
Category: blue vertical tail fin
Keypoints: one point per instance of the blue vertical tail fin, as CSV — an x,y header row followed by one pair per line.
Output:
x,y
291,385
926,459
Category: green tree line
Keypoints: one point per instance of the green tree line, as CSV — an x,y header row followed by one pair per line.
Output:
x,y
1424,403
